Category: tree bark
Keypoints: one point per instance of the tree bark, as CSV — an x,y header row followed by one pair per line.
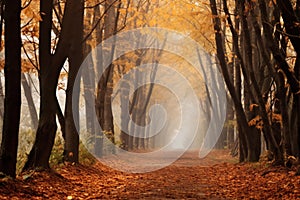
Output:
x,y
241,118
12,102
50,66
71,151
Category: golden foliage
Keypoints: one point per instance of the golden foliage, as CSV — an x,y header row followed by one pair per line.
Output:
x,y
257,122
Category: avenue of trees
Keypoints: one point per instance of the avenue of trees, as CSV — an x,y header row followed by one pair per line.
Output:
x,y
257,46
256,43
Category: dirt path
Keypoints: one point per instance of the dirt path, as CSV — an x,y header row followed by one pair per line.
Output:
x,y
215,177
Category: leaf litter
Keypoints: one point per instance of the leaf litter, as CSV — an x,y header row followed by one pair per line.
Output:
x,y
218,176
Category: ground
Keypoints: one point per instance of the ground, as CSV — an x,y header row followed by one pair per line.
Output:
x,y
218,176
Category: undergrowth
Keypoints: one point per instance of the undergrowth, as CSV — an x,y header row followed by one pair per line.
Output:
x,y
26,140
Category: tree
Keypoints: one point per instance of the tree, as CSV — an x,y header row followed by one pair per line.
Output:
x,y
262,57
41,150
105,85
238,105
12,104
71,151
30,101
50,67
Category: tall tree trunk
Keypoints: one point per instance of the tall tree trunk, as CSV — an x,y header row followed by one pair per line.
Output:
x,y
291,21
50,67
12,103
41,150
88,77
241,118
105,85
238,89
98,137
254,138
72,99
124,113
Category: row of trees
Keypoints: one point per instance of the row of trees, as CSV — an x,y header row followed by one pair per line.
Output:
x,y
68,47
256,43
65,32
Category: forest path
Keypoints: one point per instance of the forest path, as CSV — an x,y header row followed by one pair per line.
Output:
x,y
218,176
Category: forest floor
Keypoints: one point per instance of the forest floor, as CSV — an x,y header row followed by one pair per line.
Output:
x,y
218,176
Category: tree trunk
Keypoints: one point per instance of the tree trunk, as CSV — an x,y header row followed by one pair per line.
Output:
x,y
50,66
291,19
41,150
105,85
75,55
254,138
30,101
12,102
241,118
98,137
238,89
124,113
88,77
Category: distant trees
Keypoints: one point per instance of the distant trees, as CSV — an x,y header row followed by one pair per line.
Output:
x,y
265,55
59,32
12,101
30,101
105,85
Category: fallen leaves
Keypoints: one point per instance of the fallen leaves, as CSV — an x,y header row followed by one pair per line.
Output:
x,y
187,178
